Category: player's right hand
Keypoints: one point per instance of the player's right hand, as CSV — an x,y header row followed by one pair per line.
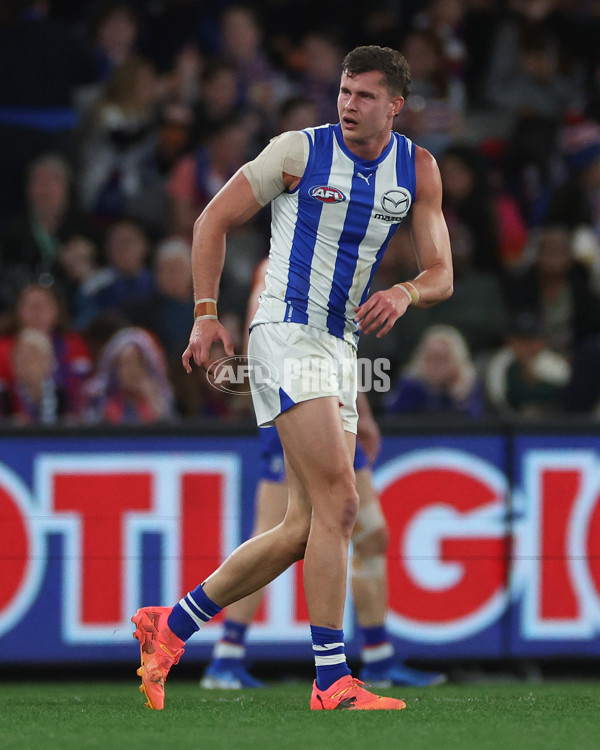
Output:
x,y
204,334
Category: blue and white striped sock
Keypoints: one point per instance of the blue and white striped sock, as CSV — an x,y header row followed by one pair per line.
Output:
x,y
230,651
330,655
234,632
377,653
191,613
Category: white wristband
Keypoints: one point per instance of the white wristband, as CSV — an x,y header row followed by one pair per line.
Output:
x,y
405,290
410,290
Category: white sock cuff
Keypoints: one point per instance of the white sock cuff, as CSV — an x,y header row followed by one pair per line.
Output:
x,y
371,654
198,620
325,661
228,651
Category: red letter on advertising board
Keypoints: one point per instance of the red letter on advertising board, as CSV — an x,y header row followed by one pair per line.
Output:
x,y
593,546
201,527
559,493
100,502
482,560
14,549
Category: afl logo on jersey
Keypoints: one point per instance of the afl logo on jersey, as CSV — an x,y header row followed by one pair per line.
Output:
x,y
396,202
327,194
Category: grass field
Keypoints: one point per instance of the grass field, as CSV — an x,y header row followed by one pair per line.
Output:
x,y
111,715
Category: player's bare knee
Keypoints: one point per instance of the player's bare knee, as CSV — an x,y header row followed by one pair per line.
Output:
x,y
337,512
345,498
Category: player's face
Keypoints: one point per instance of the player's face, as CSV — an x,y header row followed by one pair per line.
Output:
x,y
366,109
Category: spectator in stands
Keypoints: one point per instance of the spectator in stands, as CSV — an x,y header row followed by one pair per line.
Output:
x,y
99,332
446,19
477,30
31,241
181,88
532,148
242,43
533,72
297,113
40,308
33,396
534,84
474,290
119,174
43,63
440,378
127,279
592,105
582,392
174,26
131,384
198,176
167,311
574,203
526,377
513,232
319,78
78,273
468,198
474,194
557,290
115,36
434,114
219,96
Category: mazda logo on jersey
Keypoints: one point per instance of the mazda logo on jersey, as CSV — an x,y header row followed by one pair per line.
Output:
x,y
327,194
396,202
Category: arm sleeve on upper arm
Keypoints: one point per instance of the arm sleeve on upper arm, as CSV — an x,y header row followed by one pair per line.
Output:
x,y
288,153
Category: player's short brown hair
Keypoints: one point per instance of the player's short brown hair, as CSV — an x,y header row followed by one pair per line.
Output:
x,y
391,63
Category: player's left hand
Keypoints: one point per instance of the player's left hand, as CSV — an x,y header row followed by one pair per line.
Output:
x,y
381,311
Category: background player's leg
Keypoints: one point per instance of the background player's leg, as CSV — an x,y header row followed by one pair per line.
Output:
x,y
381,667
271,503
370,540
227,668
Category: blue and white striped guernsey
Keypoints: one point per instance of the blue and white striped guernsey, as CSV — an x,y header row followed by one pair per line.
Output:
x,y
329,234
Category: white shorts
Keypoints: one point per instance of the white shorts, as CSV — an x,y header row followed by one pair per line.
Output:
x,y
304,363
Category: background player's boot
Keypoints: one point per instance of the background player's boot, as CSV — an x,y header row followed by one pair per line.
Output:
x,y
400,674
228,674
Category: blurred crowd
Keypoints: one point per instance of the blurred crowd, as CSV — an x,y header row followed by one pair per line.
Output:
x,y
120,120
